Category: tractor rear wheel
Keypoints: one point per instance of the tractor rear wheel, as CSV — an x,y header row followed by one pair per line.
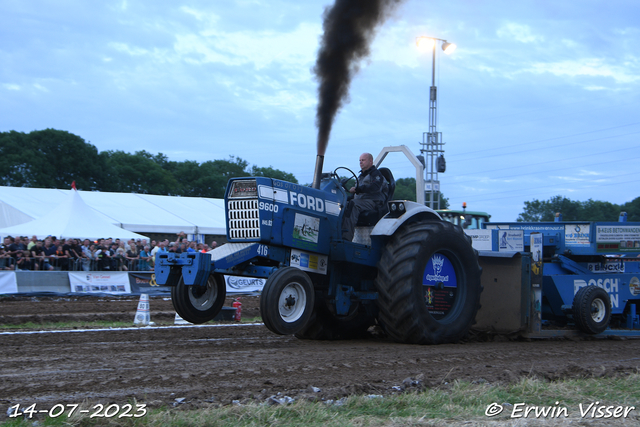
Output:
x,y
428,283
199,304
287,301
592,309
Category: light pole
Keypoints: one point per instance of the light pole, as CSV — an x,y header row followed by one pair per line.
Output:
x,y
432,145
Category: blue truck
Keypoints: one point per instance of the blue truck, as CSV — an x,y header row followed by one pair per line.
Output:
x,y
583,275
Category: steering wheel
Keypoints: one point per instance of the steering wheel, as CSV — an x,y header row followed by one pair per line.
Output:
x,y
343,181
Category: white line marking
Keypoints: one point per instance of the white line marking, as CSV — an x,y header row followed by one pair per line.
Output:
x,y
129,329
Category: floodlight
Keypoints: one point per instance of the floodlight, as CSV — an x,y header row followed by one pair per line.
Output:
x,y
448,47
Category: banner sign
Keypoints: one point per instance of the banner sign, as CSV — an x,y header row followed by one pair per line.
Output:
x,y
8,283
481,240
236,284
100,282
618,238
511,240
577,234
145,283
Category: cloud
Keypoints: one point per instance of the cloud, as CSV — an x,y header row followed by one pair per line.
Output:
x,y
294,102
293,49
396,43
518,32
590,173
581,177
263,70
39,87
200,15
129,50
589,67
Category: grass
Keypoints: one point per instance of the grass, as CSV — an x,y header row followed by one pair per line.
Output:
x,y
457,403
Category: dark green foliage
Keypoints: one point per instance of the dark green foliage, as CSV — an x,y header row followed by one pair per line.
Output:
x,y
591,210
406,190
136,173
632,209
49,159
273,173
213,176
54,159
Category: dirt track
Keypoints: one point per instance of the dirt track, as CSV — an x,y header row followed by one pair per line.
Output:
x,y
219,364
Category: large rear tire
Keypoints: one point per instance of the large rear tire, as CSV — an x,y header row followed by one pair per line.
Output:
x,y
428,283
287,301
199,304
592,309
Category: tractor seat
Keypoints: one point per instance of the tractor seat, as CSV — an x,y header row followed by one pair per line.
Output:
x,y
370,218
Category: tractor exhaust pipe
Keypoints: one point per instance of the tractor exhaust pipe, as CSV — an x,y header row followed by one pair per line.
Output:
x,y
317,175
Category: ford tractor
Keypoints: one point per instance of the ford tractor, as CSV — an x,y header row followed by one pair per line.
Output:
x,y
406,270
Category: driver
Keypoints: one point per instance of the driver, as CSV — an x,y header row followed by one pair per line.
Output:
x,y
369,195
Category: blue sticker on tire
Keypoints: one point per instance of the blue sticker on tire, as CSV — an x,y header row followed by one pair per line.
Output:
x,y
439,272
439,284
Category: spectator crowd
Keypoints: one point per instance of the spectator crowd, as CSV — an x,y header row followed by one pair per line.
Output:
x,y
22,253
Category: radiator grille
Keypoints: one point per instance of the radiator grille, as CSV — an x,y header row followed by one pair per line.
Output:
x,y
244,219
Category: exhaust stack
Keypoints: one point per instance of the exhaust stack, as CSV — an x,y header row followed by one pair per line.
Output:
x,y
317,175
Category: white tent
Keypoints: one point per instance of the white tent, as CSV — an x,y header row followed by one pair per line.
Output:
x,y
141,213
70,219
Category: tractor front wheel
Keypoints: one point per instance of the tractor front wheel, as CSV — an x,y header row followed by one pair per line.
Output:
x,y
199,304
287,301
428,283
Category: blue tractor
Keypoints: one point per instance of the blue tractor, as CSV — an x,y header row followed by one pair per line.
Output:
x,y
406,269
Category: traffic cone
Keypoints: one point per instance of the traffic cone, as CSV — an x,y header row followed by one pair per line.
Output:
x,y
179,320
142,314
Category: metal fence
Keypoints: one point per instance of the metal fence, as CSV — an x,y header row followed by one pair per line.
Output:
x,y
73,264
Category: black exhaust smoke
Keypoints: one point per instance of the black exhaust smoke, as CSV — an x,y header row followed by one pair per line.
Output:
x,y
349,27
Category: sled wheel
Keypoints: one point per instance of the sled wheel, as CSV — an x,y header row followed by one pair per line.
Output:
x,y
287,301
199,304
428,283
325,325
592,309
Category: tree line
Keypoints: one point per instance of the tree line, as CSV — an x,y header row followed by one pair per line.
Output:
x,y
54,159
571,210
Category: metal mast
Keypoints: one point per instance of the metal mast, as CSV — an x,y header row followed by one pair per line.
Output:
x,y
432,145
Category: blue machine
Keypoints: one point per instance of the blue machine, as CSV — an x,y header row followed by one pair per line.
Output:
x,y
405,262
590,271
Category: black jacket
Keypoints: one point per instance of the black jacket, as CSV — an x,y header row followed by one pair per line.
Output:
x,y
371,185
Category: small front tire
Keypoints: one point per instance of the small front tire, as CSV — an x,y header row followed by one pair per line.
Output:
x,y
287,301
199,304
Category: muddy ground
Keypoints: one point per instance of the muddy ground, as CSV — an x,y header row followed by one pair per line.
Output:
x,y
195,367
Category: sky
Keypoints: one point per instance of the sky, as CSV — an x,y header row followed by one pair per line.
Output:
x,y
541,98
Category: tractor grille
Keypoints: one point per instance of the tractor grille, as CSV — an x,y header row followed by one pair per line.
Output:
x,y
244,219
